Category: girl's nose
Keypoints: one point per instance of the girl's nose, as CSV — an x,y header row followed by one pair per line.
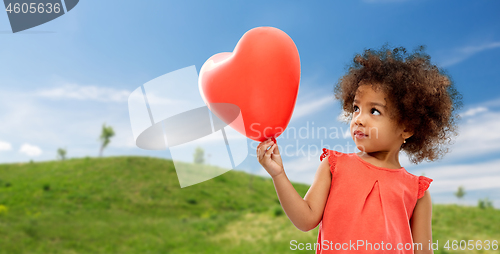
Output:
x,y
358,120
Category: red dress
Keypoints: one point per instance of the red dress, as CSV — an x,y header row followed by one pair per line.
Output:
x,y
368,208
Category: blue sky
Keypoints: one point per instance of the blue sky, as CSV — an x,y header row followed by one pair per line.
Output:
x,y
62,80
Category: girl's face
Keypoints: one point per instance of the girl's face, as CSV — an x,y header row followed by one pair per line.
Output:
x,y
372,128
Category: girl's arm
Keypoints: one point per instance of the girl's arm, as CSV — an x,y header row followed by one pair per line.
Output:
x,y
421,224
305,213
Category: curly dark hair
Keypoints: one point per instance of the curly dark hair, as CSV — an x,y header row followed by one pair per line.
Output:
x,y
424,97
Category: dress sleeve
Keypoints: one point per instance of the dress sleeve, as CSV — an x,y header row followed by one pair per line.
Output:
x,y
423,185
332,158
325,153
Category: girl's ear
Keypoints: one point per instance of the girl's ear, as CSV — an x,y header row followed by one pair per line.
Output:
x,y
407,133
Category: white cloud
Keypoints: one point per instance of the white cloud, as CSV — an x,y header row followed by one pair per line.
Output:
x,y
30,150
312,106
476,49
310,102
478,176
5,146
96,93
162,101
492,103
457,55
75,124
478,136
474,111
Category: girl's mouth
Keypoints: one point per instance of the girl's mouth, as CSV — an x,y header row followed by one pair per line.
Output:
x,y
359,135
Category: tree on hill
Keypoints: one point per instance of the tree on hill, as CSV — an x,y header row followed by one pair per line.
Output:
x,y
485,203
199,155
460,192
105,138
61,153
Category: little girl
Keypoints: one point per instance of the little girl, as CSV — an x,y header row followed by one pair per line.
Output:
x,y
366,202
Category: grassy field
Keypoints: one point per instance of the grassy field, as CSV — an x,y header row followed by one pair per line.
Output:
x,y
135,205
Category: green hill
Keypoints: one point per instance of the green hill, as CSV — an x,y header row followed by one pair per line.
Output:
x,y
135,205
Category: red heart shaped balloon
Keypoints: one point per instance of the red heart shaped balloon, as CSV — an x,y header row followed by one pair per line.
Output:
x,y
261,76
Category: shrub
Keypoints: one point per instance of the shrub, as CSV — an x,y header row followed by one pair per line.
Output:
x,y
485,203
278,211
192,201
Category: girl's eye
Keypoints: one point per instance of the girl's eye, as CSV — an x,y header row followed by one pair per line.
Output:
x,y
375,112
356,109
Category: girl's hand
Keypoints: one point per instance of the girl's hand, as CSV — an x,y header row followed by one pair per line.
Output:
x,y
270,159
